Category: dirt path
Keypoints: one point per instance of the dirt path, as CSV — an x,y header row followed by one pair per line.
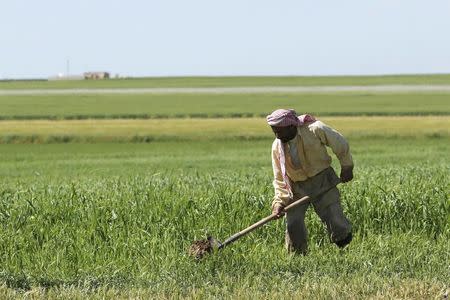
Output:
x,y
239,90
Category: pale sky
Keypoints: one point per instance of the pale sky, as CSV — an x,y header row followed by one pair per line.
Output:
x,y
228,37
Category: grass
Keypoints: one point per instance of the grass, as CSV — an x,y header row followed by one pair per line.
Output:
x,y
182,106
101,217
230,81
64,131
115,220
321,288
49,162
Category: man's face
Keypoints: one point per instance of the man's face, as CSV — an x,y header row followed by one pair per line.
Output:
x,y
285,134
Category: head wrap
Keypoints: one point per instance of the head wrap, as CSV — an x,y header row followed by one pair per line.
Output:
x,y
285,118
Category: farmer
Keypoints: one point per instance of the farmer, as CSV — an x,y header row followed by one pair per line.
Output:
x,y
301,166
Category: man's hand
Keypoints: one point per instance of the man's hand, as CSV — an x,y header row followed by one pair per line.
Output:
x,y
346,173
277,210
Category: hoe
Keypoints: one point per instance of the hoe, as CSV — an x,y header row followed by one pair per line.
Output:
x,y
199,248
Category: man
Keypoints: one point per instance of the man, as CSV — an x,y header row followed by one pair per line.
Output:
x,y
301,166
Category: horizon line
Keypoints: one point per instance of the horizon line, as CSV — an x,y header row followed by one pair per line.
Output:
x,y
223,76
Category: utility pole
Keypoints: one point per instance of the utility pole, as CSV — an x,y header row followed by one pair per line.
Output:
x,y
67,67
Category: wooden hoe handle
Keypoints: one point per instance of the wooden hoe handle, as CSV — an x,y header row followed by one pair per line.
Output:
x,y
267,219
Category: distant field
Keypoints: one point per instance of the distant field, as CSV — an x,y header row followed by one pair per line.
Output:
x,y
44,131
65,162
201,105
230,81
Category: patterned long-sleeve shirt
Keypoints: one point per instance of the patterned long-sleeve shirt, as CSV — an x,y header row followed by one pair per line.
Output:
x,y
313,156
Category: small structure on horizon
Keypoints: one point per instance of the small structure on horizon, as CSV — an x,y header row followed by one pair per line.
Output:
x,y
96,75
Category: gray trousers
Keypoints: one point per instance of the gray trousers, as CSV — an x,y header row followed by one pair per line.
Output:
x,y
327,206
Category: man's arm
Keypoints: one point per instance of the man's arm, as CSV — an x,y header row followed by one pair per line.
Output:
x,y
281,197
333,139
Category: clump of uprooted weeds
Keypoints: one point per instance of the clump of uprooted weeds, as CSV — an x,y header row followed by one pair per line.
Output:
x,y
200,248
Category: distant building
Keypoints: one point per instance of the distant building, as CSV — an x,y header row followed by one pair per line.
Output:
x,y
96,75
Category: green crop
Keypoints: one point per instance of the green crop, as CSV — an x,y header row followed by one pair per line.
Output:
x,y
149,106
108,208
116,219
146,131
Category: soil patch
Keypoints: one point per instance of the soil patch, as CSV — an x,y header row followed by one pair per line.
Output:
x,y
200,248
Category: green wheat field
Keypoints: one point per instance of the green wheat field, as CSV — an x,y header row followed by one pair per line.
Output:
x,y
105,206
